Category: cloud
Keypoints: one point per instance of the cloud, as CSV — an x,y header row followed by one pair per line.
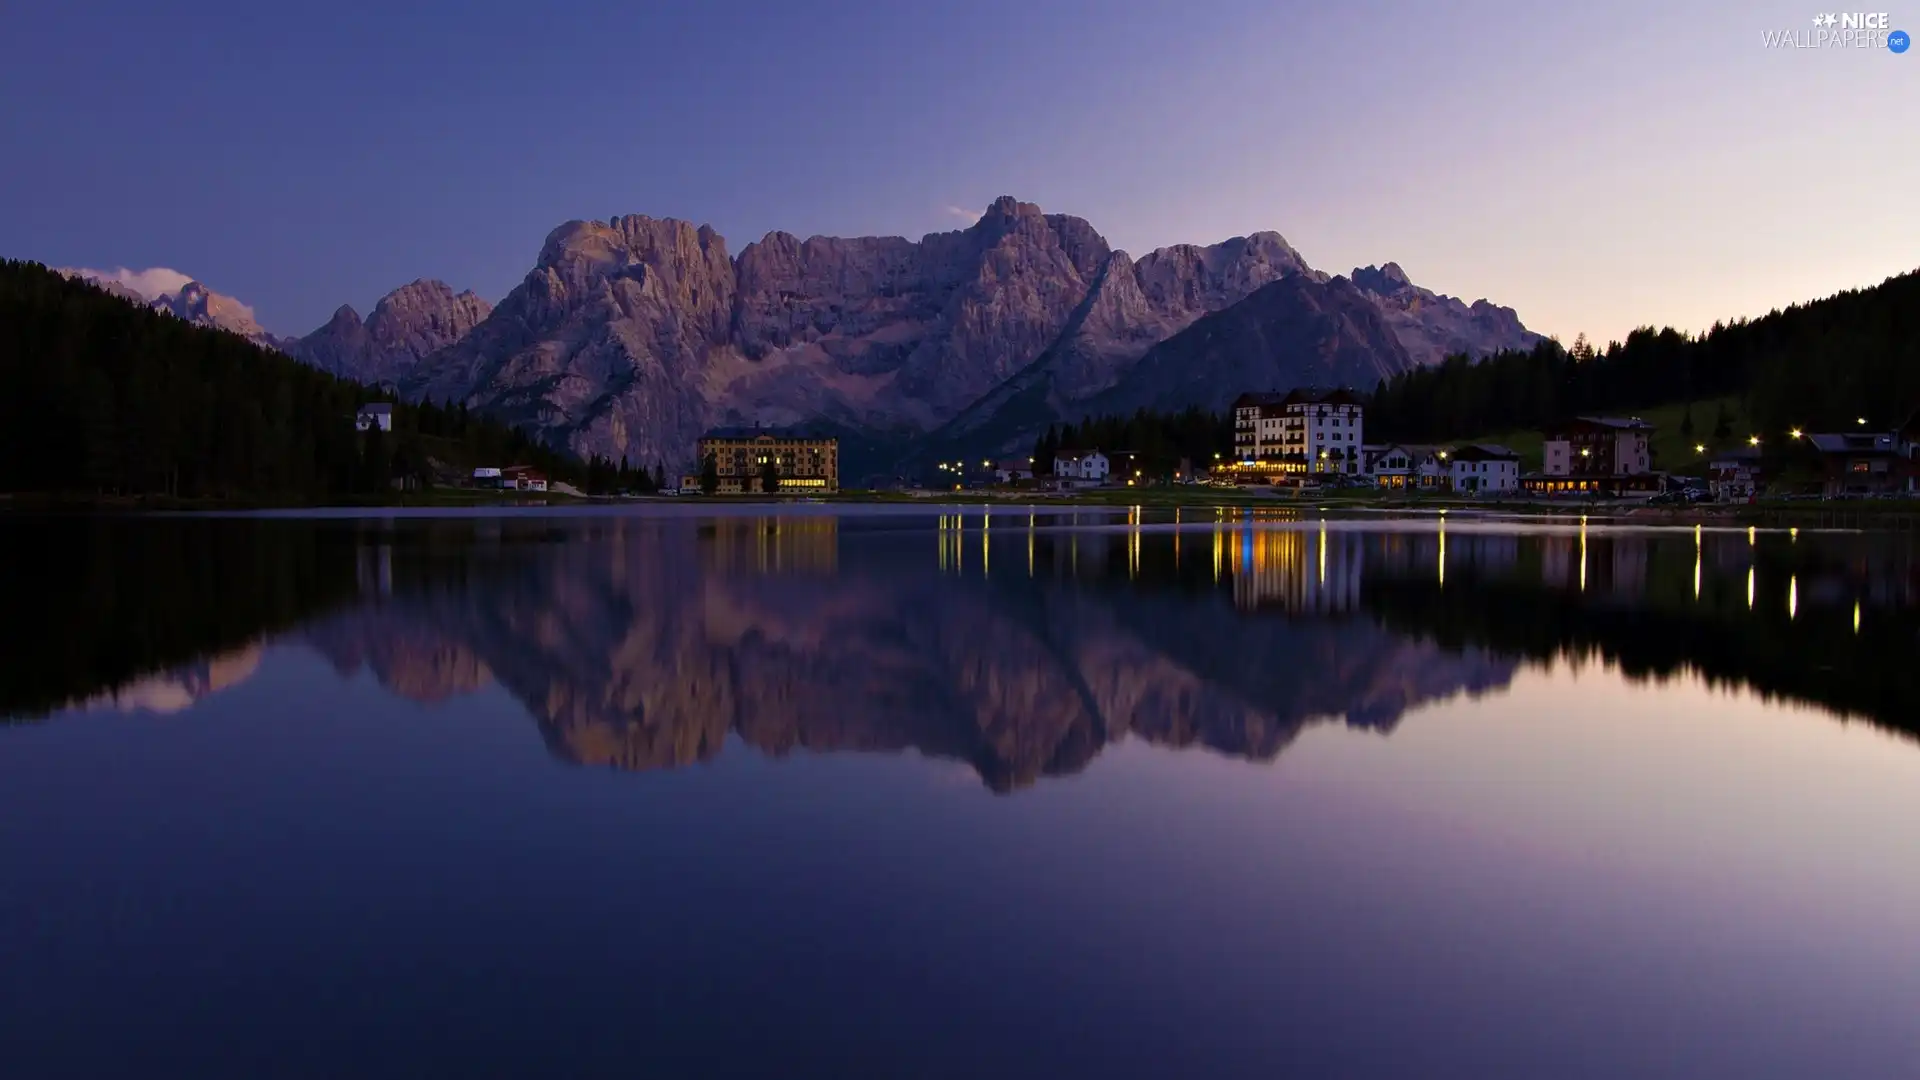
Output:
x,y
151,283
964,214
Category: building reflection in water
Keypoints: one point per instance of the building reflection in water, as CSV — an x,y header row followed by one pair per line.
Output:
x,y
771,545
1306,572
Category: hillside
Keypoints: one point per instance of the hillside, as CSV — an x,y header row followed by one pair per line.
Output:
x,y
1673,448
100,396
1823,364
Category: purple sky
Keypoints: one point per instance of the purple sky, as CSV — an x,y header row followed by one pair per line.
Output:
x,y
1594,166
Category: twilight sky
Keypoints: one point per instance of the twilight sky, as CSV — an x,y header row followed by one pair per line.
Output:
x,y
1594,166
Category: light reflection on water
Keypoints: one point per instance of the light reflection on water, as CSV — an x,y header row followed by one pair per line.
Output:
x,y
1446,797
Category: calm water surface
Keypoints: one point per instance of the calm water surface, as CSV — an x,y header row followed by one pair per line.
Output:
x,y
956,795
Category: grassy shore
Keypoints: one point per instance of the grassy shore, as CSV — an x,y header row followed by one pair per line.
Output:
x,y
1673,450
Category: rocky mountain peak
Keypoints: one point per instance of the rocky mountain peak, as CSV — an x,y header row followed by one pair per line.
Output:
x,y
1006,206
1384,280
202,306
1433,326
407,324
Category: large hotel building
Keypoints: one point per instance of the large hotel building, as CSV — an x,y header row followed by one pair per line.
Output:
x,y
1310,430
804,463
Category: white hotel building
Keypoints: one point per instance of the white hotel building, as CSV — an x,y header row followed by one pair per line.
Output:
x,y
1310,430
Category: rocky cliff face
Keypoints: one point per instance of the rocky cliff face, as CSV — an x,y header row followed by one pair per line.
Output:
x,y
1133,306
1297,331
1432,326
631,336
407,324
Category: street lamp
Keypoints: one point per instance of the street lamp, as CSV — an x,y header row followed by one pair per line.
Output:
x,y
1753,440
1861,421
1795,433
1699,448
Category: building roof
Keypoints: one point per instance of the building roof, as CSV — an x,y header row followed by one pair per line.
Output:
x,y
1484,452
1299,395
1060,455
771,433
1617,423
1321,395
378,408
1254,399
1872,442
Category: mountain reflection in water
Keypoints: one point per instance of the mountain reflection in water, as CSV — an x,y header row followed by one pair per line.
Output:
x,y
1022,644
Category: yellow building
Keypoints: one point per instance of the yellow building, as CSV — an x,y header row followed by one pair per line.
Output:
x,y
803,463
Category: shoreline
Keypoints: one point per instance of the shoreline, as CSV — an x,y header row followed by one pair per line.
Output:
x,y
1881,513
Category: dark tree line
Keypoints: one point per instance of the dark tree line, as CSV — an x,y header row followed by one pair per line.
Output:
x,y
1818,365
602,476
104,397
1157,442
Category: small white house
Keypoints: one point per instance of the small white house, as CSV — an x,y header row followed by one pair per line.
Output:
x,y
1392,465
1483,470
523,478
377,414
1081,466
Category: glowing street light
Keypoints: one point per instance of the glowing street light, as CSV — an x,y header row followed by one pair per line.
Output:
x,y
1860,420
1699,448
1585,451
1795,433
1753,440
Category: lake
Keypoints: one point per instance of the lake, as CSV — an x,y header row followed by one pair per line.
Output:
x,y
944,793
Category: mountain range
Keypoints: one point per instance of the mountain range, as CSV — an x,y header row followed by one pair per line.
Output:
x,y
629,337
